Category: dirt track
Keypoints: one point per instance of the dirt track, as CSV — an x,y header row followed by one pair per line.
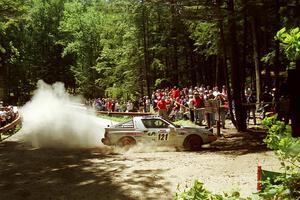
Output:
x,y
28,173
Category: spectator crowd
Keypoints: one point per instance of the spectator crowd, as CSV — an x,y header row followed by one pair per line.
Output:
x,y
191,103
7,114
172,103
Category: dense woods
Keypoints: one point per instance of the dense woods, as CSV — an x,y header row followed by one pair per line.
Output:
x,y
127,48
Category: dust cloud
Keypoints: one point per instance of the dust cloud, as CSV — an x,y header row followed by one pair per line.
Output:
x,y
53,118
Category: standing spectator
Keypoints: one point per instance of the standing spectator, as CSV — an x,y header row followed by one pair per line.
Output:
x,y
98,104
266,100
117,106
162,107
175,109
129,106
224,90
251,108
141,105
109,105
221,100
147,104
175,92
210,116
191,108
2,116
191,90
168,103
153,101
198,102
103,103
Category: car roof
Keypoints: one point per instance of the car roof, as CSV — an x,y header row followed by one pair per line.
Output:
x,y
149,117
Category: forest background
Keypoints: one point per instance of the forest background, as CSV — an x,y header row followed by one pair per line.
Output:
x,y
126,48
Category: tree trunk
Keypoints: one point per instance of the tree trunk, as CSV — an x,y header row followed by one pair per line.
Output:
x,y
276,61
237,94
1,83
256,60
217,78
224,52
174,42
146,55
293,84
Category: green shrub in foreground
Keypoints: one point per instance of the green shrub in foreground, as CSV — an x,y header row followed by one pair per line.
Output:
x,y
198,192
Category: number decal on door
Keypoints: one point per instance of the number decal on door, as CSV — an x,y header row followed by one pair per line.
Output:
x,y
163,136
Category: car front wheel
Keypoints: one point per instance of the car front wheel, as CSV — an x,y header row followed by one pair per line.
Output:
x,y
193,143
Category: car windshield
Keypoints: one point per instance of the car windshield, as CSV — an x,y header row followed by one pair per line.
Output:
x,y
155,123
175,125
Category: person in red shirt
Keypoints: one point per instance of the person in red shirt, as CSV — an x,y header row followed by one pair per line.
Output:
x,y
198,102
168,105
162,107
175,92
109,105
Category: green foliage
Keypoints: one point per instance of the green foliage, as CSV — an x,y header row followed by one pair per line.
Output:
x,y
98,46
198,192
103,41
290,40
287,148
206,37
268,58
279,139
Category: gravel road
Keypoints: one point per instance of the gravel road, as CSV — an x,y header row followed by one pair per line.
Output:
x,y
141,173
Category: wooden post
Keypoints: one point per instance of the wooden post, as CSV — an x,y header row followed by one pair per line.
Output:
x,y
259,173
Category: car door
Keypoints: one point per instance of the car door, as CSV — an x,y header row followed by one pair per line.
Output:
x,y
159,131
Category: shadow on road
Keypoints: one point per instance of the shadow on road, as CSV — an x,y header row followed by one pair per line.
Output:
x,y
236,143
27,173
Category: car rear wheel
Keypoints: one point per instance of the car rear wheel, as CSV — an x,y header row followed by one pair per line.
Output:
x,y
126,142
193,143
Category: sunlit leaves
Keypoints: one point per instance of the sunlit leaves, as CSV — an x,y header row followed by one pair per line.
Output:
x,y
206,37
279,139
290,40
102,37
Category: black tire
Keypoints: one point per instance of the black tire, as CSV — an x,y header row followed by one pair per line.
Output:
x,y
193,143
126,142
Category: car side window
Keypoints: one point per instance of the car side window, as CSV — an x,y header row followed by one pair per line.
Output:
x,y
155,123
128,124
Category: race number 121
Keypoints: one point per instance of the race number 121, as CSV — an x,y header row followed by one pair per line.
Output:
x,y
163,136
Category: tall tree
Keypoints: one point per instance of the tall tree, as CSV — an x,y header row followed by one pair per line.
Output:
x,y
12,19
236,70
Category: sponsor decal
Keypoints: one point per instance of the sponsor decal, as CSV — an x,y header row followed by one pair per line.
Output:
x,y
151,133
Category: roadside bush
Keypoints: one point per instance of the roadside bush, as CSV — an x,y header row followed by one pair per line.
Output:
x,y
287,148
198,192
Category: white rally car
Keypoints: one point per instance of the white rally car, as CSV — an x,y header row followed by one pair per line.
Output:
x,y
158,131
